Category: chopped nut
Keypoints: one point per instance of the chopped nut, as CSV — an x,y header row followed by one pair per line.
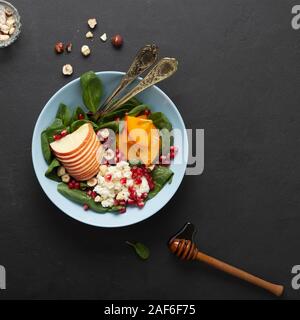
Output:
x,y
103,169
151,167
9,11
109,154
11,30
65,178
92,182
85,50
2,15
4,28
59,47
61,171
67,70
10,21
92,23
104,37
97,199
89,35
69,46
4,37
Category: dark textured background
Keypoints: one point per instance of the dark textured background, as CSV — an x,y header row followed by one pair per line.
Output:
x,y
238,79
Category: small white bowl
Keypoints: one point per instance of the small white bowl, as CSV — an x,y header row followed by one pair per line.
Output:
x,y
15,35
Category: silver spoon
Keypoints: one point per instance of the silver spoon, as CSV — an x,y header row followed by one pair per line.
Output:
x,y
162,70
144,59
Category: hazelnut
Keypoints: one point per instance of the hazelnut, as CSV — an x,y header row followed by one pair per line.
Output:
x,y
89,35
4,37
4,29
67,70
117,41
103,37
109,154
11,30
85,50
92,23
65,178
61,171
92,182
9,11
59,47
69,46
10,21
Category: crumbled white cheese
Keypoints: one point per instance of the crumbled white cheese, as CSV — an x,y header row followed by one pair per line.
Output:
x,y
92,22
89,35
85,50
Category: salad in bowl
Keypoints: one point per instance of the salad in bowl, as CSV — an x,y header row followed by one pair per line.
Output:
x,y
112,163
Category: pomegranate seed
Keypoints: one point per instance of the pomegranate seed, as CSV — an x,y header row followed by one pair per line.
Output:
x,y
132,195
140,204
117,151
138,180
117,118
80,116
172,155
57,137
108,177
85,207
131,201
122,210
89,193
123,180
64,133
116,202
131,189
173,149
94,194
117,159
77,185
70,185
122,203
151,185
144,195
147,112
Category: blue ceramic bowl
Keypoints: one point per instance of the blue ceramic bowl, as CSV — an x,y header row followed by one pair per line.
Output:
x,y
70,94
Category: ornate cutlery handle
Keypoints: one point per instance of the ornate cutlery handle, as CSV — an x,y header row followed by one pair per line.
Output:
x,y
144,59
162,70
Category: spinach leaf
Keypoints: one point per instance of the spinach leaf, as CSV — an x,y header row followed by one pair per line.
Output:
x,y
56,124
78,123
64,114
160,121
45,147
137,110
51,171
113,125
119,113
82,198
92,90
160,175
141,250
77,112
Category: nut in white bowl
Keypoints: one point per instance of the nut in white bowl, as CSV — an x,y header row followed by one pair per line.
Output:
x,y
10,25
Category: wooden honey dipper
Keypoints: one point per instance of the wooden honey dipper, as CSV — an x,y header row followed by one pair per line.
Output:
x,y
183,246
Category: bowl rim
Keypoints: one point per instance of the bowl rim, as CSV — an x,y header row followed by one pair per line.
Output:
x,y
162,203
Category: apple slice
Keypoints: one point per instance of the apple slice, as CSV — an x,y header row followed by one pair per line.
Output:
x,y
73,141
83,156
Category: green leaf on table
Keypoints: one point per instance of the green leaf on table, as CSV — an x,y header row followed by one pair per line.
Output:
x,y
141,250
92,90
64,114
51,172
